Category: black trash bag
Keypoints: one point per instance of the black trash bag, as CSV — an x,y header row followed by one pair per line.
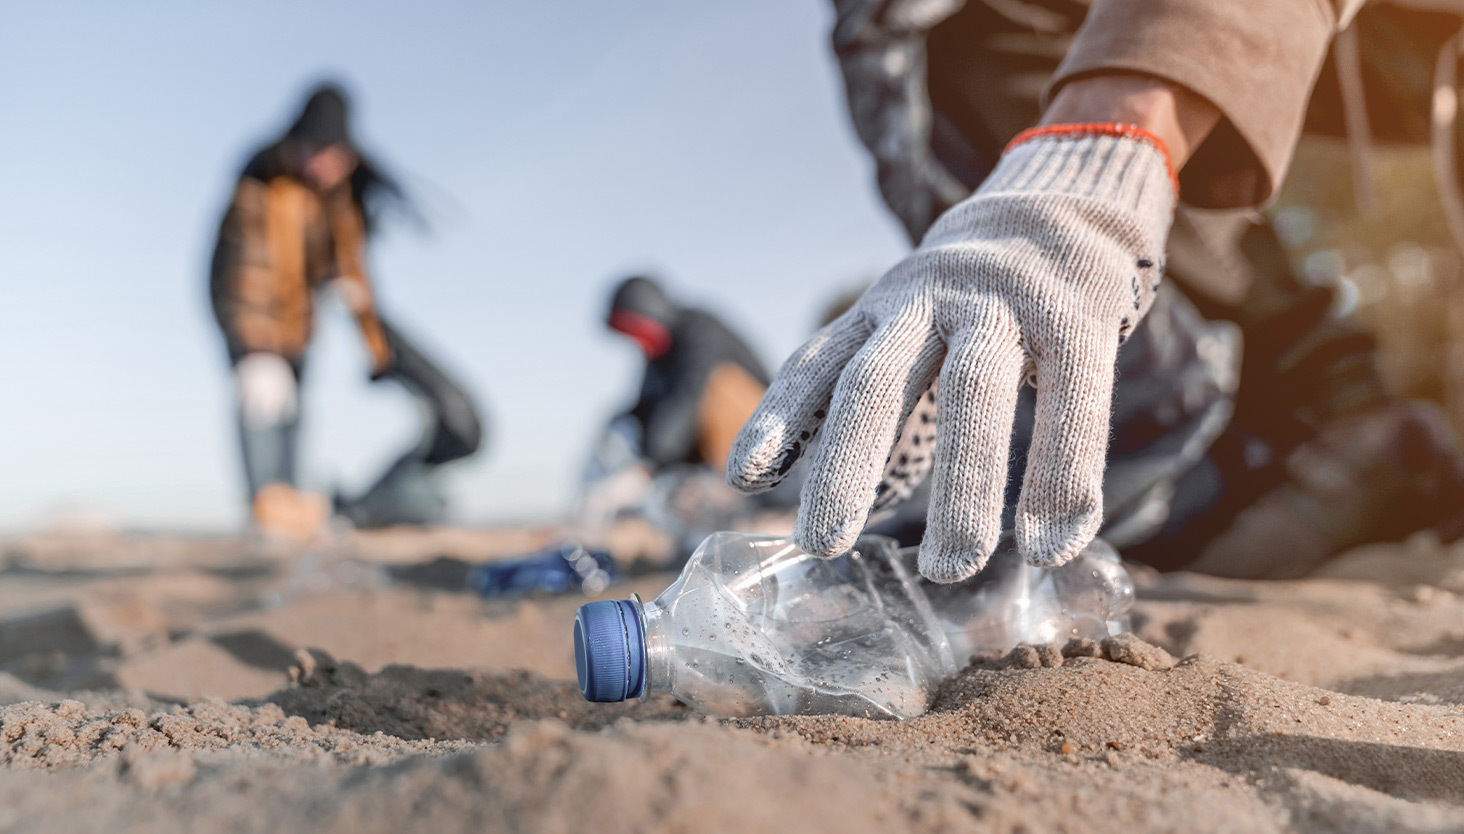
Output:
x,y
408,491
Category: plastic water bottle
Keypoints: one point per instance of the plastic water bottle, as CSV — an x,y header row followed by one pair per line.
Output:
x,y
754,626
564,568
558,569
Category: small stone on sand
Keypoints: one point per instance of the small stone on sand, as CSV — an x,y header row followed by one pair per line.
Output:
x,y
1129,649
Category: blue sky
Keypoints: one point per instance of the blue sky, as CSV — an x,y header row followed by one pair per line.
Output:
x,y
554,145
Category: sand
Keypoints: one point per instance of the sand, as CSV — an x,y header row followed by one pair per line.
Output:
x,y
209,689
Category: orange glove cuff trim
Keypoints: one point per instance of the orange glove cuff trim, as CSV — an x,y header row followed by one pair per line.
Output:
x,y
1087,130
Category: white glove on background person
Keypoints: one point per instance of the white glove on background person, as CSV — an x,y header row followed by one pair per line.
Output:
x,y
267,390
1038,276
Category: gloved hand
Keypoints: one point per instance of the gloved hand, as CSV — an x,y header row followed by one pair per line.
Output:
x,y
1039,275
267,390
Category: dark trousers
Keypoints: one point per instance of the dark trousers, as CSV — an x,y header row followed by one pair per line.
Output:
x,y
406,493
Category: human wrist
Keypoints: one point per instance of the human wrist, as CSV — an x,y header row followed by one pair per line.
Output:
x,y
1121,166
1179,118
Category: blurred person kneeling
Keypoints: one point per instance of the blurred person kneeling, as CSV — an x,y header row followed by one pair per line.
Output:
x,y
299,220
664,457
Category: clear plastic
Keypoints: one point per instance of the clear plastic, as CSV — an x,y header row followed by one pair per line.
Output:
x,y
754,626
558,569
1012,602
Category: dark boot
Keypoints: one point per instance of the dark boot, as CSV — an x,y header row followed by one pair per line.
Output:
x,y
1318,458
1376,476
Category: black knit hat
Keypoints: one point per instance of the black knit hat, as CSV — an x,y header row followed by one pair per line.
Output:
x,y
324,121
645,297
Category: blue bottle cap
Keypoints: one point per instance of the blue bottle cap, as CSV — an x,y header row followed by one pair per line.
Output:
x,y
610,650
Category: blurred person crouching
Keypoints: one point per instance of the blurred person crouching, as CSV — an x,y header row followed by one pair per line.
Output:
x,y
664,457
299,221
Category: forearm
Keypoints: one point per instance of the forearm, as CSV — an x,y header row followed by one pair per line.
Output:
x,y
376,341
1254,60
1178,117
355,290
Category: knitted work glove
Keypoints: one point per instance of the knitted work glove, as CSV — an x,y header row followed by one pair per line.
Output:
x,y
1038,276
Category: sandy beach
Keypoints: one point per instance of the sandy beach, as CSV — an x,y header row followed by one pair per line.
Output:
x,y
172,684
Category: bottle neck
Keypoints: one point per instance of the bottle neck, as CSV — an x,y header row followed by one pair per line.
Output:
x,y
660,647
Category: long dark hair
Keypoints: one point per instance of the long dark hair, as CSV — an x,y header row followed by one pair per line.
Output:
x,y
325,121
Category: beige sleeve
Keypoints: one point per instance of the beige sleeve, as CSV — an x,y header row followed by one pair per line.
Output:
x,y
1255,60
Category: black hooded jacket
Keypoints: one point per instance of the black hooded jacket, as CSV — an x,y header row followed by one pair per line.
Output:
x,y
674,390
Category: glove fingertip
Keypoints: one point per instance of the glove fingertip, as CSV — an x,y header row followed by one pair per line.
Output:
x,y
1053,544
945,564
826,540
749,483
760,463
